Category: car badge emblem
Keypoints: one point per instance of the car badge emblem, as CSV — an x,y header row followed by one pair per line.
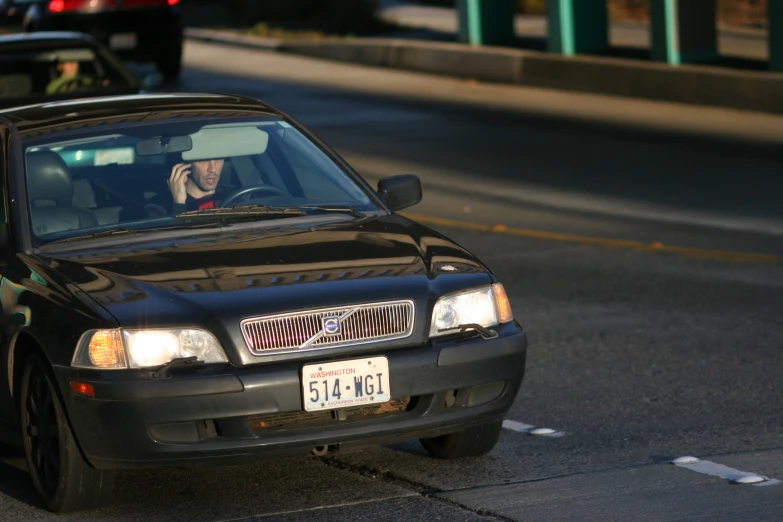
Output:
x,y
331,325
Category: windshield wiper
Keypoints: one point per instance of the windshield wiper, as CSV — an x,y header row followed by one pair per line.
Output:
x,y
334,208
125,232
244,210
104,233
265,210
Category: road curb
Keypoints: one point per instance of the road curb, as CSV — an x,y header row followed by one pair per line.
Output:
x,y
691,84
231,38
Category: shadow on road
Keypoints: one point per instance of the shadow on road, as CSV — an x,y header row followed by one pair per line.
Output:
x,y
14,482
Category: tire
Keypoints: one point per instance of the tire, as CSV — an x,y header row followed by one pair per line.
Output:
x,y
170,61
470,442
63,479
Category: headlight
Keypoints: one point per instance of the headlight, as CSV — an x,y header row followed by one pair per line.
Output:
x,y
486,306
119,349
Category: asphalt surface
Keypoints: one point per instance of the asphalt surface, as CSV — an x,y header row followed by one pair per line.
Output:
x,y
641,244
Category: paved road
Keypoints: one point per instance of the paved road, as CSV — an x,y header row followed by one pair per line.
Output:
x,y
642,247
442,23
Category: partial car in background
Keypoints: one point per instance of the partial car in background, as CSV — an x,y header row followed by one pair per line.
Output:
x,y
50,66
138,30
10,13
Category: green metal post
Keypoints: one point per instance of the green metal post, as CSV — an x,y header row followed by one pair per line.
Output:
x,y
683,31
486,22
775,24
577,26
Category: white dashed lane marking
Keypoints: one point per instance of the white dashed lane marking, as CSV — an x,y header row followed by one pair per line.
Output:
x,y
531,430
734,476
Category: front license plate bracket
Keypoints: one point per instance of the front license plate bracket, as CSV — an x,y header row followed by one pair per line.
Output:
x,y
343,384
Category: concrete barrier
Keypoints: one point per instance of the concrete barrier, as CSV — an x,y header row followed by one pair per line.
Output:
x,y
692,84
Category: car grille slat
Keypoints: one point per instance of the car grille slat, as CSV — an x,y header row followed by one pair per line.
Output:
x,y
300,331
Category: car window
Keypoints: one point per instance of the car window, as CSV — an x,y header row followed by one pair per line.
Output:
x,y
314,171
57,71
119,177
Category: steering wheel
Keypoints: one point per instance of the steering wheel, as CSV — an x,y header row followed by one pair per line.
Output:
x,y
244,191
154,210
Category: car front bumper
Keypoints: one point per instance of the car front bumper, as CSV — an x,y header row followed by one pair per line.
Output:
x,y
243,414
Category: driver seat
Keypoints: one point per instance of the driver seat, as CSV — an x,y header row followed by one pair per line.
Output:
x,y
50,190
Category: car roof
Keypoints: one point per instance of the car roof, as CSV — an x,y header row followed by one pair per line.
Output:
x,y
135,107
47,37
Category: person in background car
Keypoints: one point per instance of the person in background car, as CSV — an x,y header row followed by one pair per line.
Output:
x,y
69,79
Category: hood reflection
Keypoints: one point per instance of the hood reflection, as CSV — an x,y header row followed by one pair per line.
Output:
x,y
384,248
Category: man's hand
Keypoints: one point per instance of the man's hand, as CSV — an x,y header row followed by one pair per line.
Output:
x,y
177,180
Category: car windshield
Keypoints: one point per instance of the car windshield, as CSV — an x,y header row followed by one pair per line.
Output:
x,y
39,73
125,178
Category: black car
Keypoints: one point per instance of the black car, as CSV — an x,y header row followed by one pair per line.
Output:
x,y
8,13
11,12
140,30
283,307
52,66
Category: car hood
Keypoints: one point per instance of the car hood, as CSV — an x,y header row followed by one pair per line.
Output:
x,y
216,281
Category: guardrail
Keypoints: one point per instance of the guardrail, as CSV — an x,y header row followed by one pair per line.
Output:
x,y
682,31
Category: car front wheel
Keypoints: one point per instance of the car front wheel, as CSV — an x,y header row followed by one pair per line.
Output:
x,y
470,442
64,480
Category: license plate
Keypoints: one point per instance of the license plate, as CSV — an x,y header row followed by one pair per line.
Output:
x,y
346,383
123,41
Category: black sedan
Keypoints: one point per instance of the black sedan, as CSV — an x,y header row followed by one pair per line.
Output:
x,y
57,66
195,279
141,30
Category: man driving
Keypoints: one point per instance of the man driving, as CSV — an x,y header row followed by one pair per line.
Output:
x,y
70,78
194,185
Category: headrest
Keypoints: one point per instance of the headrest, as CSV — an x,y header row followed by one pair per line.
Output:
x,y
15,85
48,178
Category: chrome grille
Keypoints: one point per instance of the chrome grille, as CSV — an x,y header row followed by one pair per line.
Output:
x,y
305,330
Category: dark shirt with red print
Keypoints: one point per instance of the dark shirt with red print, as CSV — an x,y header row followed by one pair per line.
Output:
x,y
192,203
210,201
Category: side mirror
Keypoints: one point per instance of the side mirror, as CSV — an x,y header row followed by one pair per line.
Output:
x,y
399,192
151,80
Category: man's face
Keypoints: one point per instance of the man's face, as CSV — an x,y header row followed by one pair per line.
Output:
x,y
206,174
69,69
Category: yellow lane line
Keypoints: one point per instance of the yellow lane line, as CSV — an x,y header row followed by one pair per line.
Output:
x,y
639,246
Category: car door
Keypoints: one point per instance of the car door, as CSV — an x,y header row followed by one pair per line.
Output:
x,y
14,313
7,411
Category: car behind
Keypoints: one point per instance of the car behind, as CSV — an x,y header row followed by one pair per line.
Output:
x,y
56,66
140,30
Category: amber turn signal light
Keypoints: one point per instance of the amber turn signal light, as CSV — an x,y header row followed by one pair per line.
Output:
x,y
504,306
82,388
106,349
